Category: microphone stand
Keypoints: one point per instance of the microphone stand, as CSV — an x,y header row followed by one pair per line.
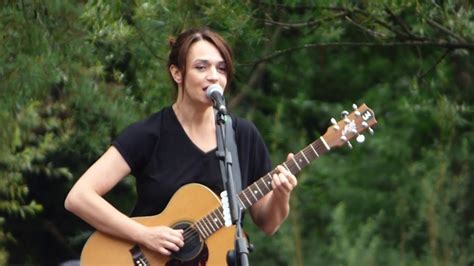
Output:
x,y
239,256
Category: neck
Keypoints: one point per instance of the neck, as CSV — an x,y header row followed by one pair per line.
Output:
x,y
192,115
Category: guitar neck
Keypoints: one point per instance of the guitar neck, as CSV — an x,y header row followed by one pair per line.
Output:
x,y
361,119
249,196
263,186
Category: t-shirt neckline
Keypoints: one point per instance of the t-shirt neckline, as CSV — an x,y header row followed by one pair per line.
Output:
x,y
176,120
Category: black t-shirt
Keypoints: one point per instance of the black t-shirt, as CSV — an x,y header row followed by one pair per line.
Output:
x,y
163,158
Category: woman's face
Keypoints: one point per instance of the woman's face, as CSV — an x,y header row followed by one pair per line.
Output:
x,y
204,66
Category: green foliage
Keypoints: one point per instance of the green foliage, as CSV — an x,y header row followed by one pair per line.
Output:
x,y
75,74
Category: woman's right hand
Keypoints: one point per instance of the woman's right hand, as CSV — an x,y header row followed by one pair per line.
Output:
x,y
162,239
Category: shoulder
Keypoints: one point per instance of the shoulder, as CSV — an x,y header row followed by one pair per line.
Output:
x,y
151,125
246,132
243,126
137,141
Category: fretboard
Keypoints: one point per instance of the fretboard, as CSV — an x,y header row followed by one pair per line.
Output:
x,y
249,196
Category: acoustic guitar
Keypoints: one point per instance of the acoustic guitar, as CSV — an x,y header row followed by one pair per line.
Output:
x,y
198,211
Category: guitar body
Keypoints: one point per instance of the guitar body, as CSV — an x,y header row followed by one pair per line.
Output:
x,y
190,203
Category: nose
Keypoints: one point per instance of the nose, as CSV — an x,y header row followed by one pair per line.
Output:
x,y
213,75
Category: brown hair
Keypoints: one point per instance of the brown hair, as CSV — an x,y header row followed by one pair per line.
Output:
x,y
180,49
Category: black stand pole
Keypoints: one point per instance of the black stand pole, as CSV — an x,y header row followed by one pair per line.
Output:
x,y
239,256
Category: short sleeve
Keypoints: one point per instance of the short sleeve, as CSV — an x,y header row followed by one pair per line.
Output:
x,y
254,157
137,141
261,156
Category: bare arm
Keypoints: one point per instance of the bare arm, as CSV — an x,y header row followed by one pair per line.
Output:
x,y
86,201
272,210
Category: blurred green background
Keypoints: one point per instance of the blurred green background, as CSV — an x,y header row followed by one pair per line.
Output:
x,y
73,74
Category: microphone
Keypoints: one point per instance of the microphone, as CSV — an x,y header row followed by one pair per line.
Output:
x,y
216,94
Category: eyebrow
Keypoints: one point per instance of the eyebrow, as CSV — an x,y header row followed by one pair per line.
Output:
x,y
206,61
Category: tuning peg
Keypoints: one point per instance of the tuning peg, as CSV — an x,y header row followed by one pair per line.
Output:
x,y
360,138
349,144
344,113
335,125
343,138
347,121
365,125
356,112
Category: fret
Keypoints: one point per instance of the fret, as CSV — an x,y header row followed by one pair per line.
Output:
x,y
315,152
250,203
241,202
202,230
240,196
256,193
287,168
208,231
261,193
220,216
297,165
261,184
325,144
304,156
268,183
251,192
216,220
209,222
206,224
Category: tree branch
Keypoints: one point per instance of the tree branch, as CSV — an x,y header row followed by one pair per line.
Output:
x,y
369,31
439,44
256,72
421,76
445,30
141,35
312,23
403,25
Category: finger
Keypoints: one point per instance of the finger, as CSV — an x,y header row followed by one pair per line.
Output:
x,y
176,240
169,245
177,233
276,181
288,175
293,180
283,170
164,251
288,180
285,184
290,155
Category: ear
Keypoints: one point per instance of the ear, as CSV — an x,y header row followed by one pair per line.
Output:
x,y
176,74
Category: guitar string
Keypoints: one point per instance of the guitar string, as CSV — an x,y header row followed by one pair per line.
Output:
x,y
192,231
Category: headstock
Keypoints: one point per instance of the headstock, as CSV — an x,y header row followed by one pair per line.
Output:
x,y
341,132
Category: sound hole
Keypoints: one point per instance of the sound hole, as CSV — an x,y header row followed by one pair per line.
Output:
x,y
192,242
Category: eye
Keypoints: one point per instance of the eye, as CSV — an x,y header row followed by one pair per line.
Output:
x,y
222,68
200,67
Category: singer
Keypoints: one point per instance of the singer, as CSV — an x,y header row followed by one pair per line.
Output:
x,y
174,147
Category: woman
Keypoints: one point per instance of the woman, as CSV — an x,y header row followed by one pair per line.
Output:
x,y
176,146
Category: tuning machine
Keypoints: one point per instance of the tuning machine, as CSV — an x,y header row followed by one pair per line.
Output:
x,y
356,111
344,114
360,138
365,125
334,123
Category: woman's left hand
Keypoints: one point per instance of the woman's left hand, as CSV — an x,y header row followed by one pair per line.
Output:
x,y
283,182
